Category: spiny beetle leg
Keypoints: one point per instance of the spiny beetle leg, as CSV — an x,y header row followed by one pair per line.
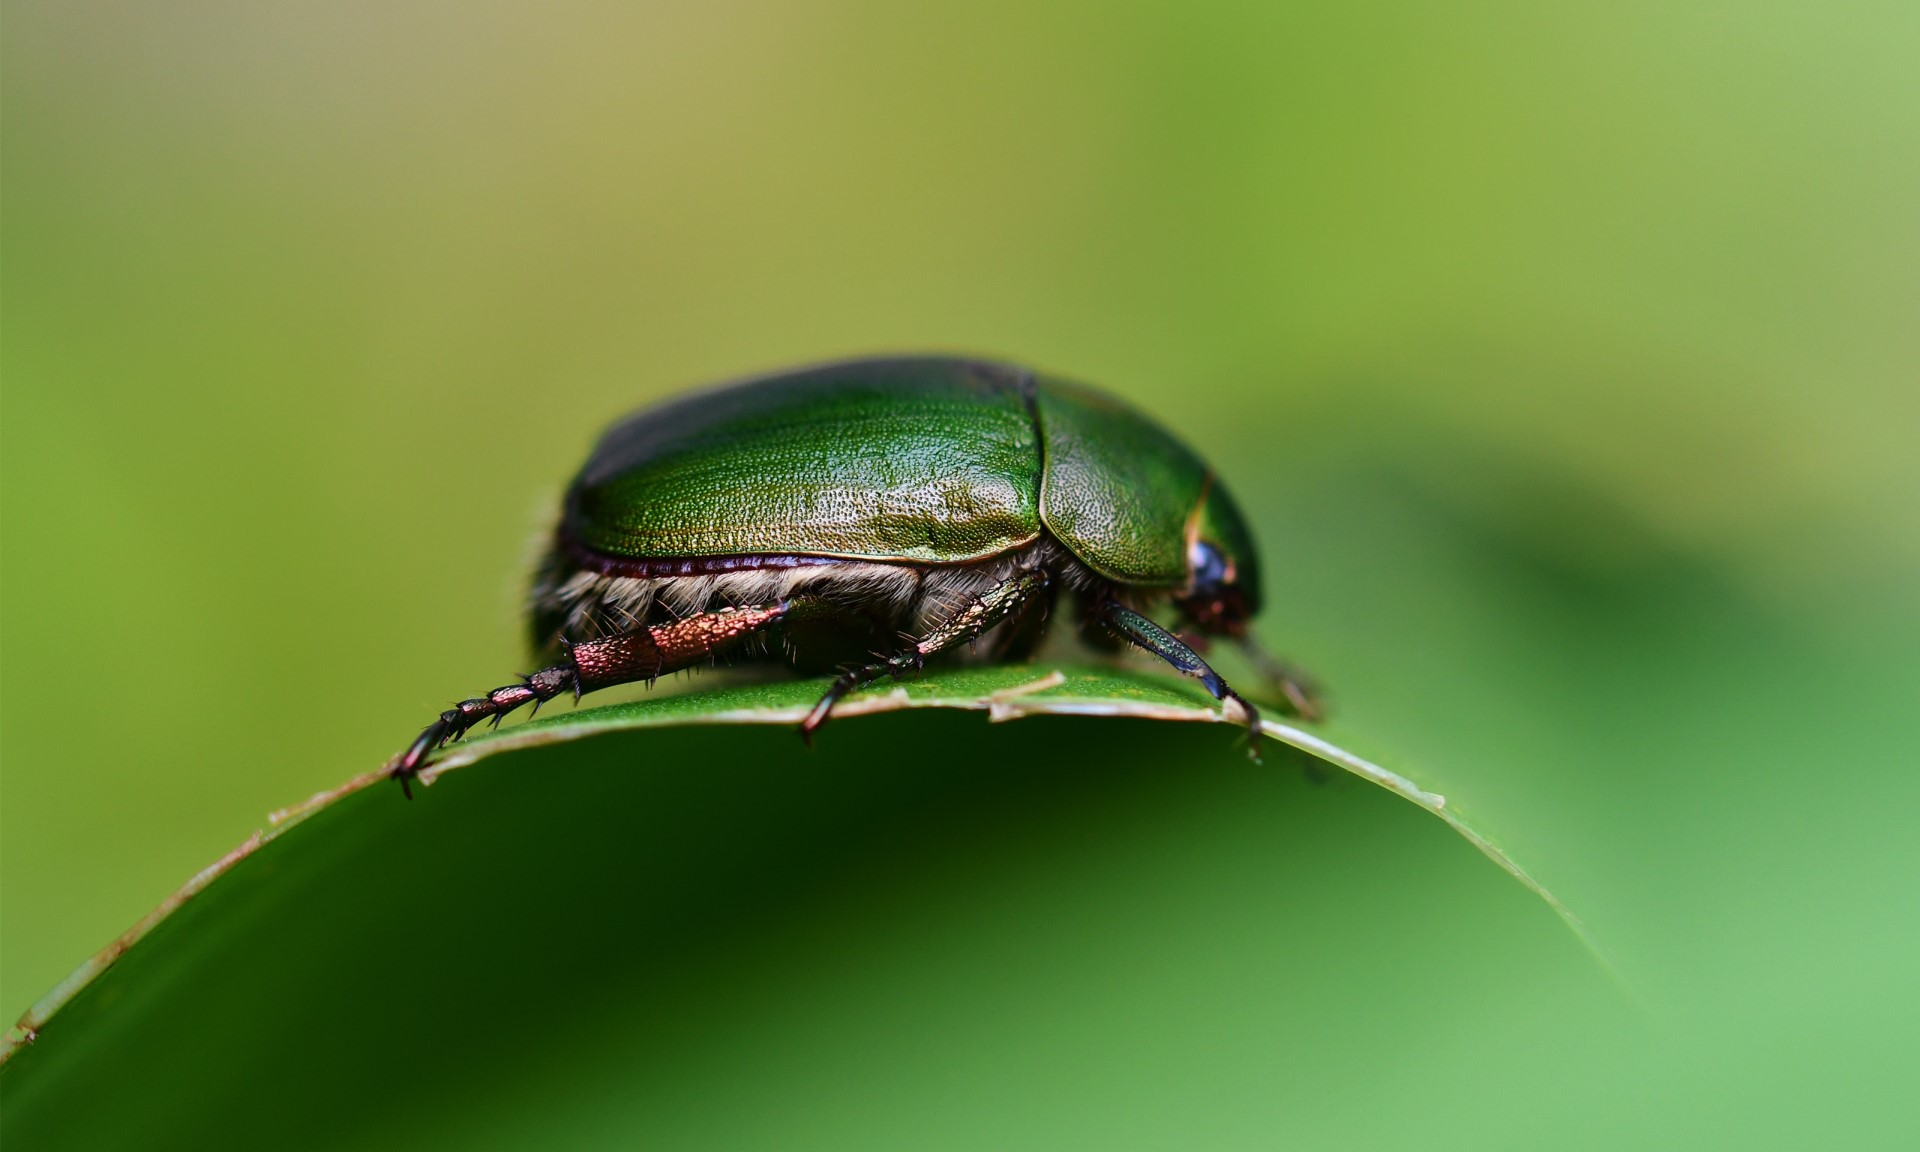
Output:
x,y
452,724
1138,630
991,607
642,654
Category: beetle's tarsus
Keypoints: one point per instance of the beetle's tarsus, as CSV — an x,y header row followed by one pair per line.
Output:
x,y
845,682
408,765
454,724
1254,732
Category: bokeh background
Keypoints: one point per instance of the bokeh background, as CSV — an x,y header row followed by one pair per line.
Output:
x,y
1565,355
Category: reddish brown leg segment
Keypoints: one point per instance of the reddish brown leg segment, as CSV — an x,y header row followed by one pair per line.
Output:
x,y
649,653
642,654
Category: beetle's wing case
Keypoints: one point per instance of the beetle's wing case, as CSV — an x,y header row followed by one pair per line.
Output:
x,y
933,460
1118,490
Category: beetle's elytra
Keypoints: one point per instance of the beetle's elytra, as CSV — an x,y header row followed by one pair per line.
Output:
x,y
904,506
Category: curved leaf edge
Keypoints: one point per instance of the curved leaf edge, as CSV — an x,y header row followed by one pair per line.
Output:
x,y
1064,691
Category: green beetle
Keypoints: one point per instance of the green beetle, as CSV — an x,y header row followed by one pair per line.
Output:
x,y
901,507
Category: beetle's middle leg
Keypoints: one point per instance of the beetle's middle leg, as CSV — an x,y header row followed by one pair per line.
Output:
x,y
645,653
1144,633
991,607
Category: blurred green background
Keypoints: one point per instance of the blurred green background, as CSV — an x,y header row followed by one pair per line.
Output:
x,y
1565,356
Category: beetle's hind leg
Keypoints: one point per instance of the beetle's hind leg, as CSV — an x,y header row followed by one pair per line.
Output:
x,y
535,688
1136,629
644,653
983,612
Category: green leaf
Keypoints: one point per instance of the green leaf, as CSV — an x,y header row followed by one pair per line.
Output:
x,y
509,881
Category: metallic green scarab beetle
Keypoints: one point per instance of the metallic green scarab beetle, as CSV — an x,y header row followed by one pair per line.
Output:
x,y
901,507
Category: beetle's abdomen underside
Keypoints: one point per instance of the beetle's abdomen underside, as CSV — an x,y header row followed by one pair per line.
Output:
x,y
923,460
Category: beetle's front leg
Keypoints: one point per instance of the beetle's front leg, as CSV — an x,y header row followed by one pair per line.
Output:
x,y
1300,690
1142,632
642,654
991,607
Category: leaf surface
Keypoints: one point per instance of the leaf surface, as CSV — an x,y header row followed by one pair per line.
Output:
x,y
507,882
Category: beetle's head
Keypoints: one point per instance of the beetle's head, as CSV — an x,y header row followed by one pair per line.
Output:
x,y
1222,592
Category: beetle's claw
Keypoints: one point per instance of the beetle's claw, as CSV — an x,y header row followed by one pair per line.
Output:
x,y
814,719
408,765
1252,719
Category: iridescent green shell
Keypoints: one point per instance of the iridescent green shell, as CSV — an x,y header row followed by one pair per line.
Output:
x,y
1118,490
930,460
924,460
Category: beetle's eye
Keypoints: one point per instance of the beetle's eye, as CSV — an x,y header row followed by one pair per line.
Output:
x,y
1209,567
